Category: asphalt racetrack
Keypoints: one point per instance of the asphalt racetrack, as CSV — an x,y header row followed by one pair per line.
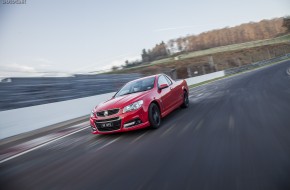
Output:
x,y
235,135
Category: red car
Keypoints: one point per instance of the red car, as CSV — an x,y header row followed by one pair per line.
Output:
x,y
138,104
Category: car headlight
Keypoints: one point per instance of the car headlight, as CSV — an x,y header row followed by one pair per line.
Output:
x,y
134,106
92,114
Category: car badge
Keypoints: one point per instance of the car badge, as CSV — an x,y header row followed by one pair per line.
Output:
x,y
106,113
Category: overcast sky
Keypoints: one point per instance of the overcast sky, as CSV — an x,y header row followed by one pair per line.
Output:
x,y
88,35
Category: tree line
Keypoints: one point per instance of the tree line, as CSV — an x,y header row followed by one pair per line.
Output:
x,y
252,31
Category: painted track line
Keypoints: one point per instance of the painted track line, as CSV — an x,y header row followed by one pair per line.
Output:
x,y
41,145
138,138
168,130
107,144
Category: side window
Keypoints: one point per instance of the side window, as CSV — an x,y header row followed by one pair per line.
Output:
x,y
162,80
168,80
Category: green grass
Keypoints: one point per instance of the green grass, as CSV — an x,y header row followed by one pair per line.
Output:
x,y
234,47
227,76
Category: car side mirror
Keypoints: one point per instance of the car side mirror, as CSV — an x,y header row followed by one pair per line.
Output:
x,y
162,86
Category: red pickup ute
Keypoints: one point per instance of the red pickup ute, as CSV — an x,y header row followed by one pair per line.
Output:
x,y
138,104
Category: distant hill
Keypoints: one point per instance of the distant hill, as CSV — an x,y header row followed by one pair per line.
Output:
x,y
253,31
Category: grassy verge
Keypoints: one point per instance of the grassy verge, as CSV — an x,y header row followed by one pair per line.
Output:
x,y
235,47
227,76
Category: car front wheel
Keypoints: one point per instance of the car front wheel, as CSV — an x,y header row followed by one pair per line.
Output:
x,y
154,116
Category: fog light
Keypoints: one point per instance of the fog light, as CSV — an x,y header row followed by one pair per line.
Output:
x,y
129,124
133,123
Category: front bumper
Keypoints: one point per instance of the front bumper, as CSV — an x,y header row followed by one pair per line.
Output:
x,y
120,122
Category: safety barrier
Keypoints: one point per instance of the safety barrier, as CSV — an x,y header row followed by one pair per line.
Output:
x,y
202,78
16,121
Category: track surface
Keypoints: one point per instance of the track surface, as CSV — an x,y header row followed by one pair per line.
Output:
x,y
235,135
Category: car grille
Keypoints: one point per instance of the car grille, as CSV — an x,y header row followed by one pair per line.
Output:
x,y
105,120
110,112
116,122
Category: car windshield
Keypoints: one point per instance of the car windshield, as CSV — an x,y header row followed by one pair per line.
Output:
x,y
137,86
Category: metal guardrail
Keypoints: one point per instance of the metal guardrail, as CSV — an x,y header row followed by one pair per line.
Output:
x,y
255,65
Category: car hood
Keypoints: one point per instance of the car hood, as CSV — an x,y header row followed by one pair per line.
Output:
x,y
121,101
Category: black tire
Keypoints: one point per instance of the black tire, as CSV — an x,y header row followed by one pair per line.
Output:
x,y
185,103
154,116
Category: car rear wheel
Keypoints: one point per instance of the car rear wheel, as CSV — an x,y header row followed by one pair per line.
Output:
x,y
185,103
154,116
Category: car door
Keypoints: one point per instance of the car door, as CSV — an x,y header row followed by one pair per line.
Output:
x,y
165,93
176,93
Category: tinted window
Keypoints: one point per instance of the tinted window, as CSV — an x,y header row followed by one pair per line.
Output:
x,y
162,80
168,80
